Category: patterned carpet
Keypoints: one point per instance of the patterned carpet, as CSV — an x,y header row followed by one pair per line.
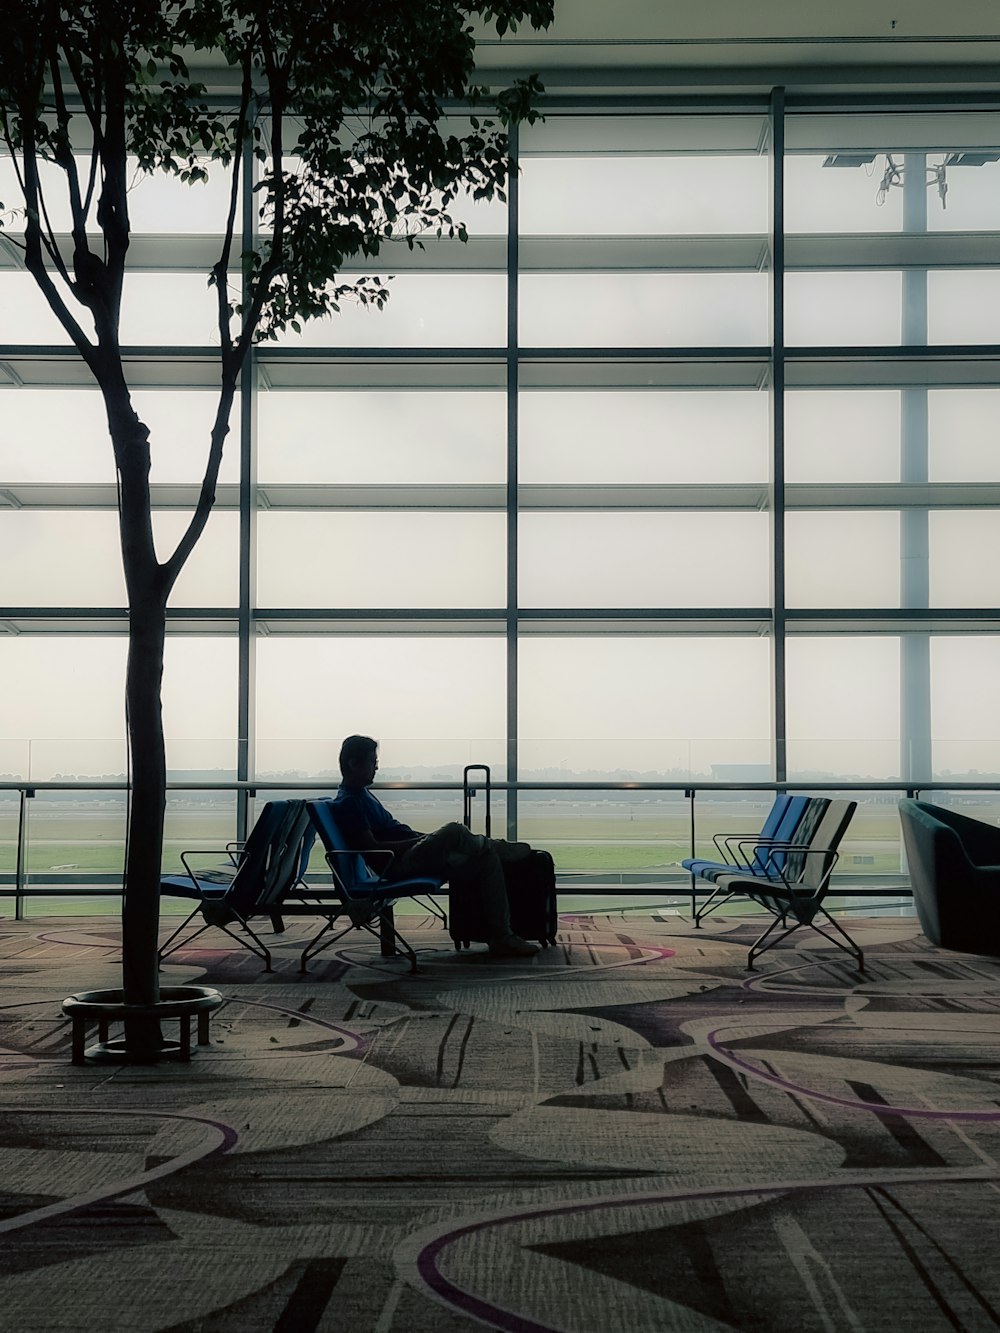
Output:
x,y
627,1132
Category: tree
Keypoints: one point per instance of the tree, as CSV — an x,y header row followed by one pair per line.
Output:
x,y
340,105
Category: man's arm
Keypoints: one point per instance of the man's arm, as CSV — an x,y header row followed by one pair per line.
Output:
x,y
368,827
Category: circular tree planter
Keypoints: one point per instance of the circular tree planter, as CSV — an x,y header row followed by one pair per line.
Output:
x,y
142,1042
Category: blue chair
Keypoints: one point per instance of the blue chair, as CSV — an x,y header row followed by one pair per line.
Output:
x,y
751,853
358,894
796,880
261,872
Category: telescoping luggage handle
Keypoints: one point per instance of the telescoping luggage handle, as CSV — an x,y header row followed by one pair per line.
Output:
x,y
469,792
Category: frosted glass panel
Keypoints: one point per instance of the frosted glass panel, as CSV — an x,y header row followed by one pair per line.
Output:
x,y
640,559
643,309
853,309
636,196
70,558
66,695
962,306
593,706
381,559
157,203
26,318
843,707
643,436
842,435
964,430
429,701
393,438
423,310
965,704
169,309
838,199
842,559
61,435
964,557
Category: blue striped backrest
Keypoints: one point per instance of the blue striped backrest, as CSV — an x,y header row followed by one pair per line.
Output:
x,y
774,817
784,831
354,871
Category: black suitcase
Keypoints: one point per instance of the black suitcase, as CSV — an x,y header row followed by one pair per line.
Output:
x,y
531,890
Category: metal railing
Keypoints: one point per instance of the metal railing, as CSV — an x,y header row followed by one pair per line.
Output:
x,y
22,884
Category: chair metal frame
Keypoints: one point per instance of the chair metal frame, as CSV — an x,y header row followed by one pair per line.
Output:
x,y
262,871
361,894
797,880
791,812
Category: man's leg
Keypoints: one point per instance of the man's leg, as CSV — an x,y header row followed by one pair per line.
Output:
x,y
466,859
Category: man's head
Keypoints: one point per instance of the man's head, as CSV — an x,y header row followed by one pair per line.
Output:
x,y
359,760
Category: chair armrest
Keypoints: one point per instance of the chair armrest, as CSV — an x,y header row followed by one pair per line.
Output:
x,y
192,874
383,852
775,874
726,852
758,844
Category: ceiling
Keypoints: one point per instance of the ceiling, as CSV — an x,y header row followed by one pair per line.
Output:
x,y
751,45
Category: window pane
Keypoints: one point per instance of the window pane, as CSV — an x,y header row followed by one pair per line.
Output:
x,y
842,559
423,310
964,431
394,438
825,199
643,309
843,707
645,195
962,306
593,707
965,705
157,202
428,701
65,695
73,558
642,436
964,557
846,172
640,559
852,309
867,309
37,443
842,435
386,559
26,318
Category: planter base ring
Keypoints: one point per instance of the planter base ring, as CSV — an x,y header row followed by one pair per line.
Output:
x,y
105,1007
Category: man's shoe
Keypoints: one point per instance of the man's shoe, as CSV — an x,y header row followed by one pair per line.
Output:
x,y
512,946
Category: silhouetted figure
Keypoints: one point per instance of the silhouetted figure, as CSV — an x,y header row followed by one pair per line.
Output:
x,y
469,861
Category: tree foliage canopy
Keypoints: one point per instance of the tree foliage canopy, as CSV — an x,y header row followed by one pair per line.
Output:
x,y
341,103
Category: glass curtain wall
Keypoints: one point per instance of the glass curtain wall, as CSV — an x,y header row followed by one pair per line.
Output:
x,y
683,468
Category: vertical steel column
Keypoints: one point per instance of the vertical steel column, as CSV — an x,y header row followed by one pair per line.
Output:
x,y
246,697
914,552
512,421
22,840
776,488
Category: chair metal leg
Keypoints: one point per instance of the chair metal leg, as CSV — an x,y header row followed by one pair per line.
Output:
x,y
165,947
262,951
710,904
763,944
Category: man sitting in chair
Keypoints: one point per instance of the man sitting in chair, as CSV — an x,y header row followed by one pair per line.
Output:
x,y
469,861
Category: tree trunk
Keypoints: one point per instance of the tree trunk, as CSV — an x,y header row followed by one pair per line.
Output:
x,y
140,909
141,902
147,600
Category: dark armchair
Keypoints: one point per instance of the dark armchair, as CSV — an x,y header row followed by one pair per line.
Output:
x,y
954,864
